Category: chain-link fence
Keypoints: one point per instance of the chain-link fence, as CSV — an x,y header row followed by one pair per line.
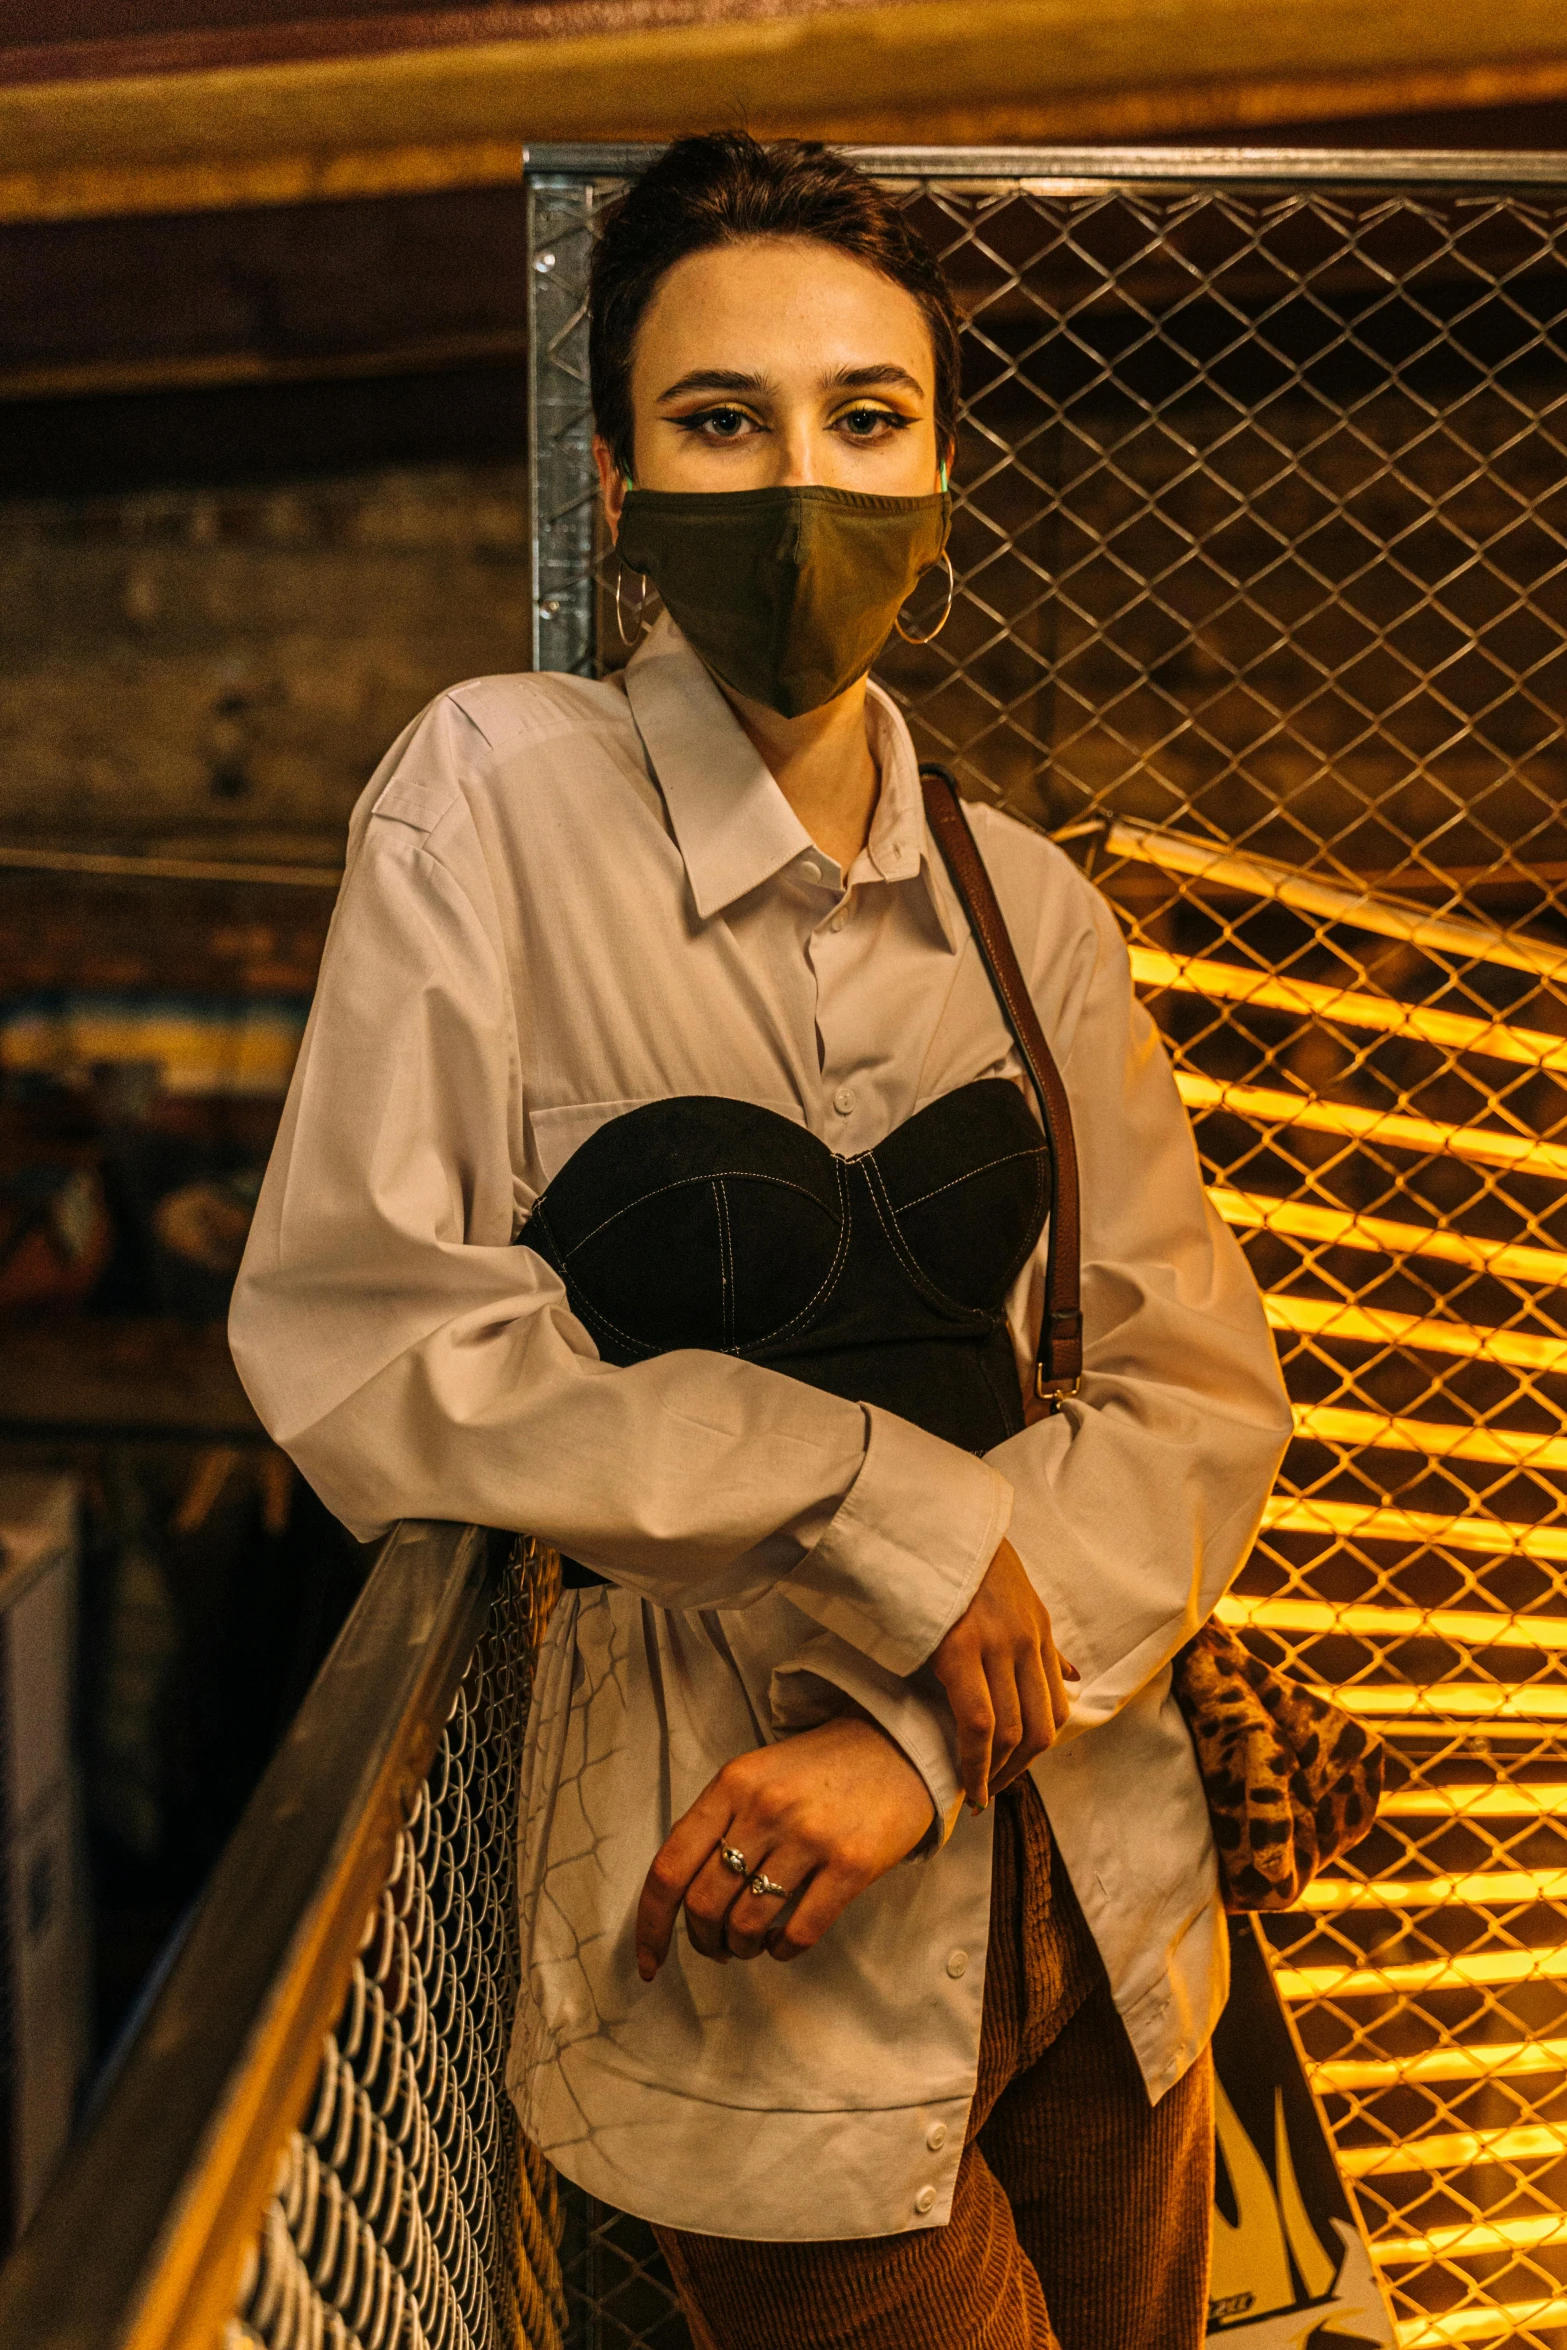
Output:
x,y
1261,551
409,2211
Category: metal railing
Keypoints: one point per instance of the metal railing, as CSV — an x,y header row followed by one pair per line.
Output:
x,y
1261,555
308,2143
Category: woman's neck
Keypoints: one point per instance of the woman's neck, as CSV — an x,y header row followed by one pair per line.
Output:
x,y
823,766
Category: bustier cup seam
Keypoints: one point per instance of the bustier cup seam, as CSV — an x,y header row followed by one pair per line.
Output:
x,y
1007,1159
976,1316
726,1262
834,1273
679,1183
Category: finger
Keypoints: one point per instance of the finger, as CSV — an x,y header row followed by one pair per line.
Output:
x,y
712,1894
1006,1704
968,1694
1038,1721
754,1917
1060,1701
824,1900
684,1851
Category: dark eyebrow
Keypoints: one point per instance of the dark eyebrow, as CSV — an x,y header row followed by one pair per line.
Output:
x,y
865,379
716,379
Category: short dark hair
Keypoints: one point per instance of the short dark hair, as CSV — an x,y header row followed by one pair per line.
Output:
x,y
720,188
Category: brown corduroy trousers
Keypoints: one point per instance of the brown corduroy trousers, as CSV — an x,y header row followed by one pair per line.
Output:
x,y
1081,2215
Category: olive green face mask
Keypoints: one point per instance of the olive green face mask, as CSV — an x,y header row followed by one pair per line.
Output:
x,y
788,595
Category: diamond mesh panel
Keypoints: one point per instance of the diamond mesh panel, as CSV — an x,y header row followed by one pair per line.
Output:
x,y
409,2212
1261,550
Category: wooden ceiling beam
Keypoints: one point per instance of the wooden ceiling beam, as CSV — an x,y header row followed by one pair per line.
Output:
x,y
943,71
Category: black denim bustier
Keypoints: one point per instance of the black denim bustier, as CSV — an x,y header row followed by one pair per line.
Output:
x,y
704,1222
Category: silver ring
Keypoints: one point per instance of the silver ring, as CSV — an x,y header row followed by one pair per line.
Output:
x,y
734,1861
765,1889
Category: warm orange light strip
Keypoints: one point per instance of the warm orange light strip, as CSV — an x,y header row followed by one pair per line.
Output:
x,y
1484,1969
1338,1228
1484,2235
1325,1317
1234,983
1441,1439
1472,1627
1508,1799
1454,2062
1446,934
1488,1146
1453,1701
1457,2150
1501,2321
1291,1513
1480,1888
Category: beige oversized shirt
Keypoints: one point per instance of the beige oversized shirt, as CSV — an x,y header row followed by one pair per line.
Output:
x,y
564,899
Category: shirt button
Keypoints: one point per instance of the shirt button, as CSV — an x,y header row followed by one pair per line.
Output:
x,y
936,2136
925,2200
843,1100
957,1963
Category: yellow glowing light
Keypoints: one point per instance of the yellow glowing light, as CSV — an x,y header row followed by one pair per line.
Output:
x,y
1501,2321
1486,2235
1461,1701
1291,1513
1325,1317
1484,1968
1338,1228
1441,1439
1176,852
1508,1799
1471,1627
1488,1146
1236,984
1454,2062
1477,1889
1457,2150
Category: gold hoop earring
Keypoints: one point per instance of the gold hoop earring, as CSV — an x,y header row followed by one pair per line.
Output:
x,y
620,618
908,635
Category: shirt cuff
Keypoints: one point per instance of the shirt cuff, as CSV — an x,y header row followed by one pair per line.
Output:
x,y
908,1547
813,1686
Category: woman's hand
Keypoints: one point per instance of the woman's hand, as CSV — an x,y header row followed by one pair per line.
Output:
x,y
1003,1678
823,1814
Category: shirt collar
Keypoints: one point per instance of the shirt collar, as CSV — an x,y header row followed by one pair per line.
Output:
x,y
732,825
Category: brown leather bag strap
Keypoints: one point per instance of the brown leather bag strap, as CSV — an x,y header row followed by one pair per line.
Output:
x,y
1060,1361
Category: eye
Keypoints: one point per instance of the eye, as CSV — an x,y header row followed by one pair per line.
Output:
x,y
717,424
868,424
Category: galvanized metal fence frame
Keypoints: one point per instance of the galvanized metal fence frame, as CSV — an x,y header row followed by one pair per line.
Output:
x,y
1262,611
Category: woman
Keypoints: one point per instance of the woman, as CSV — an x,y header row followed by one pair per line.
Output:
x,y
659,1177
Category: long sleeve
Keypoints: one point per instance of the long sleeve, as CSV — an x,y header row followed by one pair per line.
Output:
x,y
415,1363
1136,1504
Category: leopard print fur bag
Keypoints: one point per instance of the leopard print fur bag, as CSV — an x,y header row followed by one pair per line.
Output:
x,y
1291,1779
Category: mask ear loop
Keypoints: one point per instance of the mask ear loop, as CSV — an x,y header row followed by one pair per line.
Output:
x,y
908,634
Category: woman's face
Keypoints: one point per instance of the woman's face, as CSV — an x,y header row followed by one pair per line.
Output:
x,y
780,362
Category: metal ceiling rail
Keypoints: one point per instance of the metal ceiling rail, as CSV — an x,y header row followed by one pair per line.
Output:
x,y
1486,1146
1240,983
1221,866
1045,169
1384,1236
